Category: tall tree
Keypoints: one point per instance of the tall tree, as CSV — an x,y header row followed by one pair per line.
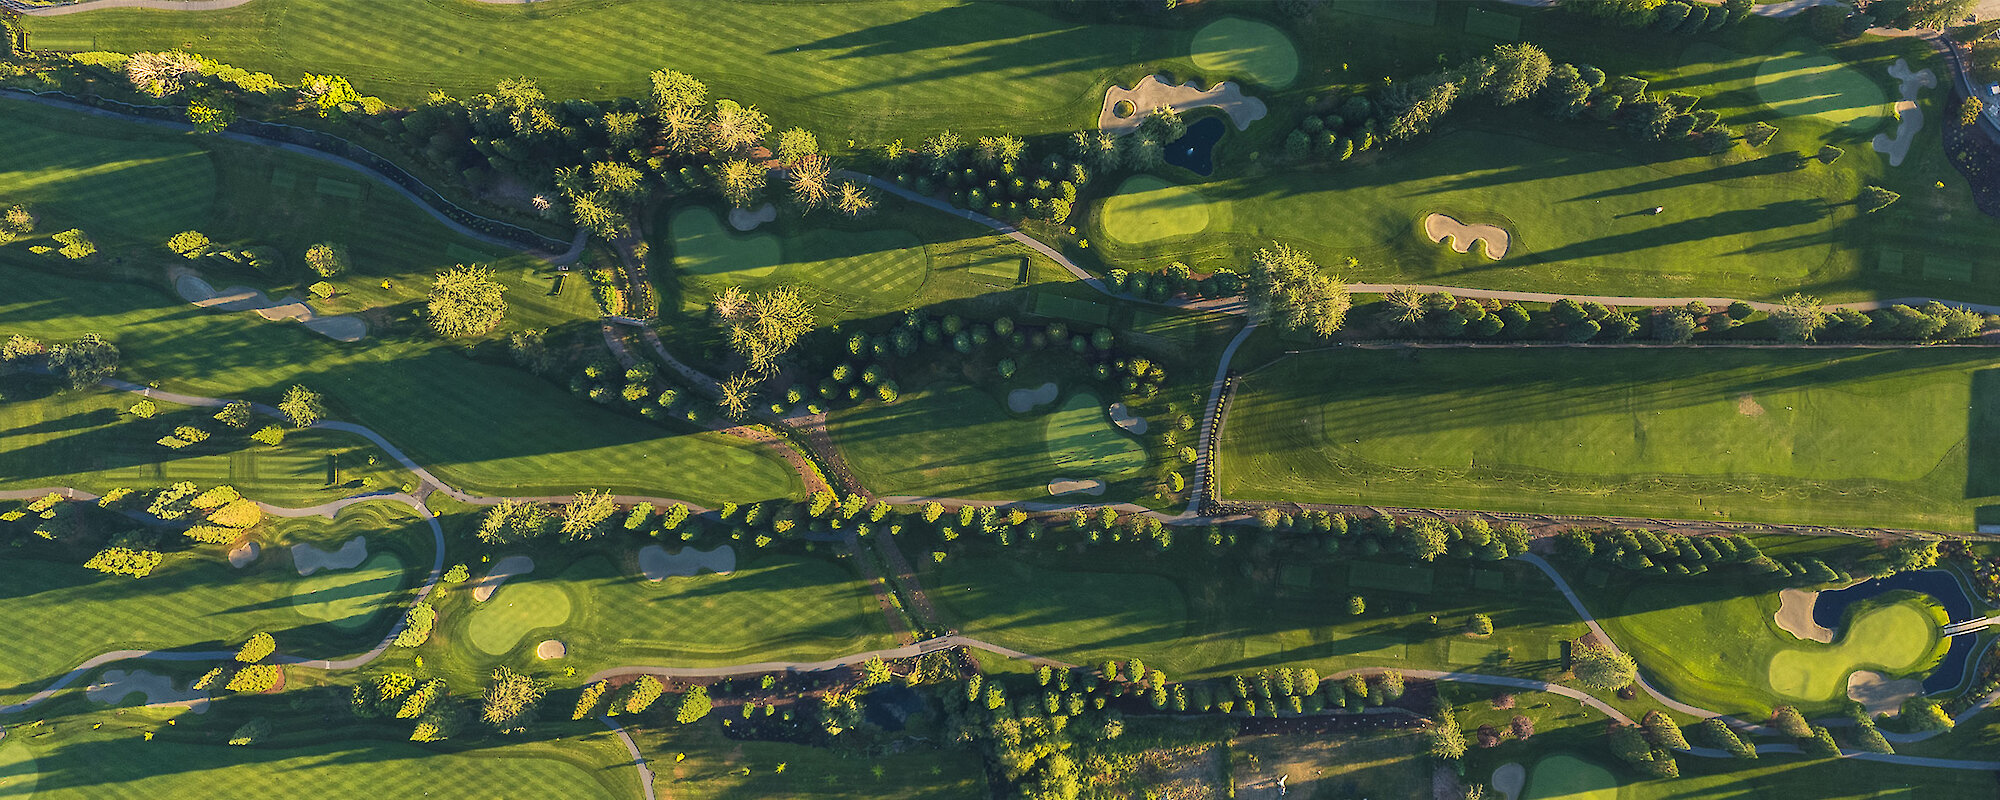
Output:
x,y
585,515
466,301
811,184
1287,286
302,406
763,327
737,127
84,362
676,90
1798,318
1520,70
508,703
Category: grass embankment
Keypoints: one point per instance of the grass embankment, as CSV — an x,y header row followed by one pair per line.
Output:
x,y
718,767
1858,437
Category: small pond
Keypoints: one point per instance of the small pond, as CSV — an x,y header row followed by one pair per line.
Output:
x,y
890,705
1195,150
1831,610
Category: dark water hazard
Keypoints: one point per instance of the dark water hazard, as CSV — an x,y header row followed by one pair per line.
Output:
x,y
889,706
1831,610
1195,150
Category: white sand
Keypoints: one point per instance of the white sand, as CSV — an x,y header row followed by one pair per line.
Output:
x,y
503,569
243,554
1509,779
550,650
747,220
1063,486
1440,227
1154,91
658,564
1911,118
1879,695
158,690
192,288
311,559
1122,416
1021,401
1795,616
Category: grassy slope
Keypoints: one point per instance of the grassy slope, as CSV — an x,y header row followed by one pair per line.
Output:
x,y
194,600
718,767
402,383
1832,437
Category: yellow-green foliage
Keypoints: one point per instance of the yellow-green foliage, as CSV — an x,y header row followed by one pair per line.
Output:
x,y
212,534
239,513
254,678
418,624
215,498
124,561
190,434
642,694
211,678
421,700
586,703
260,646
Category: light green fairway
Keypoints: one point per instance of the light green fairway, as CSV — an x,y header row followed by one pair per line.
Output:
x,y
1241,49
705,245
17,770
1806,82
1890,638
1147,209
1566,777
519,606
1085,444
348,599
1059,613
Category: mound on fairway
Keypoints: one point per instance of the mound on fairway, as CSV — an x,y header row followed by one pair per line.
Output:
x,y
1149,209
704,246
348,599
1893,638
509,615
1246,49
1566,777
1806,82
1083,441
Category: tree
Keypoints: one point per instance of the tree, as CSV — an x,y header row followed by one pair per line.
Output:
x,y
587,700
685,129
327,258
1791,722
1599,667
1932,14
1426,539
1423,102
675,90
641,694
1286,285
763,327
1447,741
694,705
1875,198
302,407
189,244
999,153
739,180
235,414
1719,735
259,647
251,732
854,200
1798,318
1479,625
160,74
1355,605
417,625
736,127
508,703
84,362
1828,154
1969,111
1662,730
1759,134
737,394
1520,70
1925,714
1522,727
811,184
1910,555
466,301
1674,325
124,561
796,143
585,515
254,679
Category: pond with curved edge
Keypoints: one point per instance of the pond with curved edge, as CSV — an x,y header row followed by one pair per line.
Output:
x,y
1195,150
1831,610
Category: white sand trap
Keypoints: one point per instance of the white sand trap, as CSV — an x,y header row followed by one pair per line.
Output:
x,y
746,220
1122,416
311,559
1509,779
194,289
1795,616
158,690
551,650
1911,118
1440,227
1154,91
1875,692
243,554
1022,401
1063,486
502,570
659,565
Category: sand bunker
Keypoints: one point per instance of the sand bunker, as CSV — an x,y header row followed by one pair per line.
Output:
x,y
343,328
1795,616
1748,406
1154,91
241,555
747,220
502,570
1122,416
1509,779
1911,117
1063,486
1879,695
311,559
1022,401
1440,227
659,565
550,650
158,690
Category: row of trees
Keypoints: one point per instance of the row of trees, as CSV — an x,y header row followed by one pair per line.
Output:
x,y
78,364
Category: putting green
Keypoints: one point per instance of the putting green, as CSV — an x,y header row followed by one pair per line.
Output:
x,y
513,611
1084,443
1802,84
703,245
1566,777
1891,638
347,599
17,771
1148,209
1252,51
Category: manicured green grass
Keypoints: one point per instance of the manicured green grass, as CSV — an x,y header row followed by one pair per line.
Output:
x,y
1246,50
1084,444
703,245
1147,209
1566,777
196,600
878,268
1563,775
717,767
348,599
1892,638
1891,438
1803,82
520,606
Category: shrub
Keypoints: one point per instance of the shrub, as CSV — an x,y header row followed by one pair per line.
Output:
x,y
270,435
693,706
641,694
322,290
255,679
251,732
76,246
417,625
260,646
124,561
1875,198
189,244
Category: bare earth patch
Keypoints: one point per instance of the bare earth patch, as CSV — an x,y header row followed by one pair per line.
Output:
x,y
502,570
310,559
1063,486
1022,401
747,220
1153,91
192,288
243,554
1795,616
657,564
550,650
1510,779
1122,417
1441,227
1747,406
1910,117
158,690
1880,695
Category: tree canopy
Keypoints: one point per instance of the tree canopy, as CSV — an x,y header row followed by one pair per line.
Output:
x,y
466,301
1287,286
